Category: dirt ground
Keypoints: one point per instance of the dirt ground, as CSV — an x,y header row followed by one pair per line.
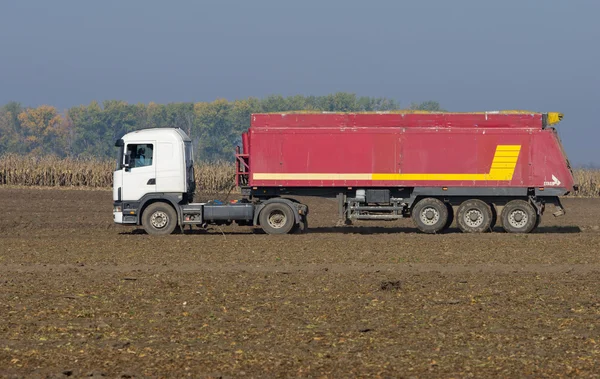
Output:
x,y
80,296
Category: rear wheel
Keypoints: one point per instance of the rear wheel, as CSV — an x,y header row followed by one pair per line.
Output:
x,y
277,218
474,216
450,216
494,217
159,219
518,216
430,215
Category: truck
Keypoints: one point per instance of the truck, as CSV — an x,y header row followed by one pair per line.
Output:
x,y
471,168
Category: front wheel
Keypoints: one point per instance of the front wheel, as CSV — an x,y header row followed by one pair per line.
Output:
x,y
159,219
277,218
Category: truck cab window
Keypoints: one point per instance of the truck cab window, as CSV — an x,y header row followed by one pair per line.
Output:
x,y
140,154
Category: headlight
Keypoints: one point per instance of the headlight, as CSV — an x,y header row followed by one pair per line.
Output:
x,y
117,208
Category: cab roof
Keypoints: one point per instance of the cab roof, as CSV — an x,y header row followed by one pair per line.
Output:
x,y
162,134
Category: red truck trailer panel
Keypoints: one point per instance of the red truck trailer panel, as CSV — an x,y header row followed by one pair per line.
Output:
x,y
406,150
497,119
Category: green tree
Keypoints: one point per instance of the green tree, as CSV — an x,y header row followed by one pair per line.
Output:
x,y
215,130
180,115
89,129
10,129
432,106
215,127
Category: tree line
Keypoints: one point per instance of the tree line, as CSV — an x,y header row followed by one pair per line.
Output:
x,y
215,127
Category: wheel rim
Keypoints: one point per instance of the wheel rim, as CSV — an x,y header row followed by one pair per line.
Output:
x,y
159,219
277,219
518,218
473,218
429,216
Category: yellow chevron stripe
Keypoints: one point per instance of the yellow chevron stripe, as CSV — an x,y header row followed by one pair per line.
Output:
x,y
502,168
507,153
508,147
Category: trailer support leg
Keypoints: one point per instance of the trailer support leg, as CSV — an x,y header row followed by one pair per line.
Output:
x,y
342,216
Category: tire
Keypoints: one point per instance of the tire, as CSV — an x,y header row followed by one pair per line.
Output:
x,y
494,217
518,216
474,216
277,218
450,216
159,219
430,215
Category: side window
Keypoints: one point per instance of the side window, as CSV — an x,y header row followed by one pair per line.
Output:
x,y
140,154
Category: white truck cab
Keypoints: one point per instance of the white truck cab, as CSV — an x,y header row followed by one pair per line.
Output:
x,y
154,184
151,164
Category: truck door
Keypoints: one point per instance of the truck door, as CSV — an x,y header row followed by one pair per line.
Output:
x,y
140,177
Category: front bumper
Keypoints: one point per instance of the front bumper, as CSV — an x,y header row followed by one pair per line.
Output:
x,y
124,215
118,217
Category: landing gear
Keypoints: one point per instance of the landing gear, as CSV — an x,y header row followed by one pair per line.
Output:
x,y
430,215
474,216
518,216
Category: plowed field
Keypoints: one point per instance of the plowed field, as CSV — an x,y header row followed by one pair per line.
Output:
x,y
81,297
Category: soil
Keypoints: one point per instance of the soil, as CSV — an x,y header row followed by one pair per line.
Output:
x,y
80,296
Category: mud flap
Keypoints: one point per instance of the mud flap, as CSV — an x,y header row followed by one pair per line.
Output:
x,y
303,224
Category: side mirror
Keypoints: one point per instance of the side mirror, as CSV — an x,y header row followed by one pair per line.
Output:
x,y
127,163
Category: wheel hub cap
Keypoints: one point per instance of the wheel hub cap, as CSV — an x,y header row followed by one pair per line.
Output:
x,y
277,219
474,218
518,218
430,216
159,219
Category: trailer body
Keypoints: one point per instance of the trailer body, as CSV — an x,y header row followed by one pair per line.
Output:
x,y
430,166
496,151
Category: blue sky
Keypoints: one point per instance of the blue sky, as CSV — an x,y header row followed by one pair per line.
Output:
x,y
469,55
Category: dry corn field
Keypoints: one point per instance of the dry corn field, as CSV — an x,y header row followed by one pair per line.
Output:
x,y
214,177
20,170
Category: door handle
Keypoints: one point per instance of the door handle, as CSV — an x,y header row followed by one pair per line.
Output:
x,y
151,182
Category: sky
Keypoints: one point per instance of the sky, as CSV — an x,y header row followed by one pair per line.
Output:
x,y
469,55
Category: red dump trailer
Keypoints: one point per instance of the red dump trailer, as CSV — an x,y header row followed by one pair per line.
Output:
x,y
429,166
435,167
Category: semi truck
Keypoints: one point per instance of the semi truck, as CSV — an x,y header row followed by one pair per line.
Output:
x,y
473,168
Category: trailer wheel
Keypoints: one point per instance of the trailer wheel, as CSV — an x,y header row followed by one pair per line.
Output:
x,y
494,217
474,216
277,218
450,216
159,219
430,215
518,216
